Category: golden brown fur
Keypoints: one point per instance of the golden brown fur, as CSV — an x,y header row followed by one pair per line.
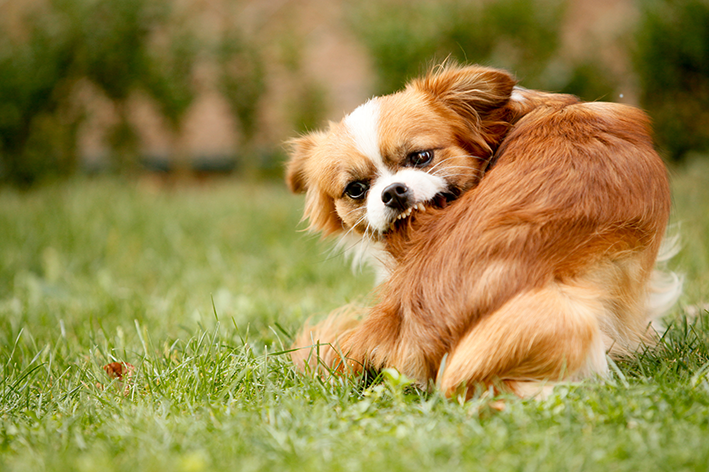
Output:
x,y
537,270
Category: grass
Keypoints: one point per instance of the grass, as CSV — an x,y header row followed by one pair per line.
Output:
x,y
200,287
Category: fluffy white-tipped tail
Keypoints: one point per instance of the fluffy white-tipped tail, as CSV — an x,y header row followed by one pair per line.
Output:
x,y
664,288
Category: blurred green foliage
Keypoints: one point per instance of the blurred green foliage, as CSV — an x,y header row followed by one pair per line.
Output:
x,y
671,55
242,80
152,47
118,46
37,126
522,36
112,52
308,106
670,50
308,103
169,80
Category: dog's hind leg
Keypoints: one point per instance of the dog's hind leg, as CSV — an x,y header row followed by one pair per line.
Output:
x,y
317,347
539,337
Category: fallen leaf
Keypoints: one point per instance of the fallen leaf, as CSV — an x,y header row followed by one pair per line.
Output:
x,y
121,371
118,370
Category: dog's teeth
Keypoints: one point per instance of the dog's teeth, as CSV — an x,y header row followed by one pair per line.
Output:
x,y
421,207
406,213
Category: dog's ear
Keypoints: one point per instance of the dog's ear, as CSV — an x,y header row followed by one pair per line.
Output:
x,y
300,151
472,91
480,96
321,213
319,207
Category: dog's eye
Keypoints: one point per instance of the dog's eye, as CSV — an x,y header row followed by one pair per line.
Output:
x,y
420,158
356,190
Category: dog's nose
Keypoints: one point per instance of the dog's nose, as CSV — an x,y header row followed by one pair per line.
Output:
x,y
396,196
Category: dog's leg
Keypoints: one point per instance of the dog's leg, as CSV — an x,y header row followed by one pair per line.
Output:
x,y
540,336
318,346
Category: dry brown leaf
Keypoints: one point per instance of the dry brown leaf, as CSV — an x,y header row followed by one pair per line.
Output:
x,y
119,370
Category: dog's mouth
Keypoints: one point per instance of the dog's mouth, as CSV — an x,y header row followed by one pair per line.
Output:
x,y
439,201
442,199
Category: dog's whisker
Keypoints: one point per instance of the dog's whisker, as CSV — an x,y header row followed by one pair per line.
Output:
x,y
340,248
352,211
443,161
451,171
458,156
472,169
444,174
356,224
429,171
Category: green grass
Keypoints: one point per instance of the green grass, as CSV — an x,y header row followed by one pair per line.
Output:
x,y
200,287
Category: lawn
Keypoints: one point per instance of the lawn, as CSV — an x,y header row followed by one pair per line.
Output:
x,y
200,288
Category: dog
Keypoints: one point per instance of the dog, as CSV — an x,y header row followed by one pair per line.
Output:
x,y
515,233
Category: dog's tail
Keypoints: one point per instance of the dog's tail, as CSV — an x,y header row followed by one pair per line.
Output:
x,y
665,287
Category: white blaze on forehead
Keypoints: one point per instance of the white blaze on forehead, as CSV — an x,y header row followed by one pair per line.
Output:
x,y
518,94
363,125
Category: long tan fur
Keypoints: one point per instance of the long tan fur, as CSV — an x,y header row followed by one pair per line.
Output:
x,y
538,269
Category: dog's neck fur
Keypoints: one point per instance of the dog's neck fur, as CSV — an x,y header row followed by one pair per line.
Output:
x,y
383,256
522,101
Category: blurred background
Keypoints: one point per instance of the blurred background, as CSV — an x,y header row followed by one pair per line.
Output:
x,y
204,87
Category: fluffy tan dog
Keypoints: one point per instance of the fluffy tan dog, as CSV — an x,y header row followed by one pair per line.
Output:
x,y
515,231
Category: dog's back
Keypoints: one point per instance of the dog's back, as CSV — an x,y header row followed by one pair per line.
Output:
x,y
530,259
538,271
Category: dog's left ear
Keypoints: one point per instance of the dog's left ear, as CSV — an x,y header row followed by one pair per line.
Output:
x,y
300,151
319,207
471,91
477,94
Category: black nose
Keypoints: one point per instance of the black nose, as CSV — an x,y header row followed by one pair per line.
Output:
x,y
396,196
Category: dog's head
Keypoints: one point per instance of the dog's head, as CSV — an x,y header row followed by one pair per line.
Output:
x,y
401,153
